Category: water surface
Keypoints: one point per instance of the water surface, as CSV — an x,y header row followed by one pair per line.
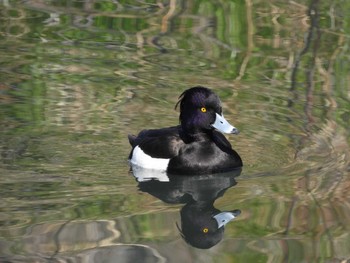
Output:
x,y
77,76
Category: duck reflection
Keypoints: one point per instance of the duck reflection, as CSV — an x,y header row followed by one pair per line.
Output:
x,y
202,225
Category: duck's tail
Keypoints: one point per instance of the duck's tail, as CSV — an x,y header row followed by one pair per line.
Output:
x,y
132,139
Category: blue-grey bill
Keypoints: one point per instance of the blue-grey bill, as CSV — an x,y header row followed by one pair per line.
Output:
x,y
221,124
224,217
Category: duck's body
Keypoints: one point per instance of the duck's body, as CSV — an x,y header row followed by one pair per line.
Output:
x,y
194,147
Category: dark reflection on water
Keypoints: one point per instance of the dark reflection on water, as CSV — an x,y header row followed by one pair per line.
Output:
x,y
202,225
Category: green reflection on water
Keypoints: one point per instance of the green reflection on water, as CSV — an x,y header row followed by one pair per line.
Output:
x,y
77,77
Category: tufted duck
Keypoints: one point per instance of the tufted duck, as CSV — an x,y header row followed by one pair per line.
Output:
x,y
194,147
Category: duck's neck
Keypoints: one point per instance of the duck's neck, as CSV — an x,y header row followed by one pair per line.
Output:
x,y
189,136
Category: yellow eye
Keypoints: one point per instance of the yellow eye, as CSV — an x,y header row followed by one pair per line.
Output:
x,y
205,230
203,109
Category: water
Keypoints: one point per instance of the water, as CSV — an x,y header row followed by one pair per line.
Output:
x,y
77,76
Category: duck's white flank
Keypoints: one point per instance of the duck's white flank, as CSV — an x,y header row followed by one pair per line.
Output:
x,y
141,159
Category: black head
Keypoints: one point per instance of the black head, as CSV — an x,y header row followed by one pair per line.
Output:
x,y
201,111
198,106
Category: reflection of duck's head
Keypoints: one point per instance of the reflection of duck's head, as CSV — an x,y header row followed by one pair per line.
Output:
x,y
202,226
195,147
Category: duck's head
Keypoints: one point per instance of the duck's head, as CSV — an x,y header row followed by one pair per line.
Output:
x,y
201,111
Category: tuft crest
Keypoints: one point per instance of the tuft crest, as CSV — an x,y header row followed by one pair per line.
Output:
x,y
195,96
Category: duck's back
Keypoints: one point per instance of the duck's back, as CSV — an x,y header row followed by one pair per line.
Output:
x,y
154,148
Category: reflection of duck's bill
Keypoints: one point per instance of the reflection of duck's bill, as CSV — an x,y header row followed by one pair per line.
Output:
x,y
221,124
224,217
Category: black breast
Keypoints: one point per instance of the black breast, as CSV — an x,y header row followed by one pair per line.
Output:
x,y
205,156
